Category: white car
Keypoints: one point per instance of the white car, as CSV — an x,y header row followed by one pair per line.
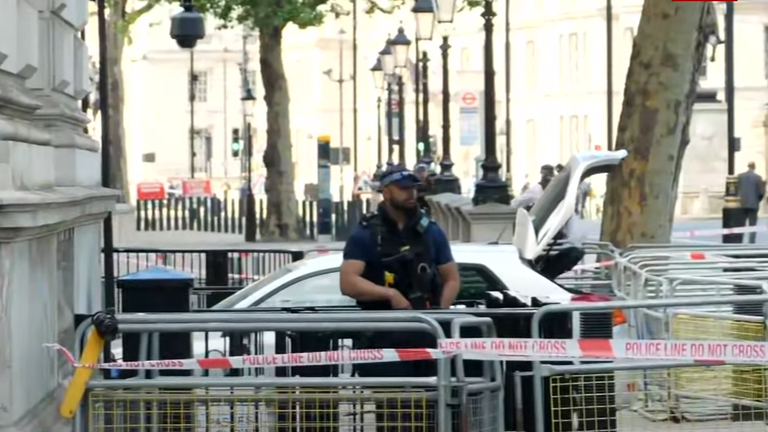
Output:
x,y
501,271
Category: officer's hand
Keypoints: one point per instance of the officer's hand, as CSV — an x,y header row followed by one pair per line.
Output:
x,y
398,301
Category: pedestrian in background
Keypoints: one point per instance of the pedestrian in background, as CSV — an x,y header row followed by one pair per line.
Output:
x,y
528,198
751,193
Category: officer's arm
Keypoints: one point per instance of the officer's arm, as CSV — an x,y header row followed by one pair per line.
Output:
x,y
449,271
357,251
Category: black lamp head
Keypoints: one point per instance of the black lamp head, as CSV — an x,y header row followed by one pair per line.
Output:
x,y
187,26
248,95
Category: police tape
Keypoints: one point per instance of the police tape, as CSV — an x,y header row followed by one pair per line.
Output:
x,y
694,352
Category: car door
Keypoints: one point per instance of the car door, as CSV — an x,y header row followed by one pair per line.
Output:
x,y
558,202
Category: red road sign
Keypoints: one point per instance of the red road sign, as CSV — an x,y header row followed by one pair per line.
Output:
x,y
469,99
395,105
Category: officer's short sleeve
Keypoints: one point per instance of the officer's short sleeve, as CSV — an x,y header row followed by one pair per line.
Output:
x,y
359,246
441,245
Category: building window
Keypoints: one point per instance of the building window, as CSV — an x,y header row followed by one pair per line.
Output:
x,y
203,147
573,134
530,148
565,151
468,59
253,80
765,50
629,37
200,86
628,43
530,65
563,63
586,137
573,59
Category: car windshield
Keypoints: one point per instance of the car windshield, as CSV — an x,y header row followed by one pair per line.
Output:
x,y
232,301
550,199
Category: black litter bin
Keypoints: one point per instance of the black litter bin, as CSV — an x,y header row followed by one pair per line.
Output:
x,y
160,289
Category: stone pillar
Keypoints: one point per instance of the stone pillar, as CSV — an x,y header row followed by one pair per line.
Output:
x,y
51,205
705,163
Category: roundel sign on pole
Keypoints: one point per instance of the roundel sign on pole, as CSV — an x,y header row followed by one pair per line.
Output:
x,y
469,99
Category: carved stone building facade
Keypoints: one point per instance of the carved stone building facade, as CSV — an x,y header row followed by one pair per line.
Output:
x,y
51,205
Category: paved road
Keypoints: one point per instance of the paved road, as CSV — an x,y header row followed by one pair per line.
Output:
x,y
686,225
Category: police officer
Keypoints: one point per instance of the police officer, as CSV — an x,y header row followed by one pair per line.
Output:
x,y
398,258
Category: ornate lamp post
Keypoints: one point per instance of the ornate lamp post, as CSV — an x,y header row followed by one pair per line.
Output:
x,y
379,82
188,27
446,182
387,59
400,44
424,13
490,188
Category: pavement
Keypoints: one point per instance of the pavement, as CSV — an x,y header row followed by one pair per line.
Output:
x,y
688,225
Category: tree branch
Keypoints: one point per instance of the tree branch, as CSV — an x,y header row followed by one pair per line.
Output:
x,y
133,16
374,6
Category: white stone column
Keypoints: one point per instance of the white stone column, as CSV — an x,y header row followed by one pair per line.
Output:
x,y
51,205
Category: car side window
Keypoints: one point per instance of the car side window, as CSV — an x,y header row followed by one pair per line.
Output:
x,y
476,280
315,291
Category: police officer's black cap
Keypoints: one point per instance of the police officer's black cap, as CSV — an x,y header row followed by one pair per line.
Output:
x,y
399,176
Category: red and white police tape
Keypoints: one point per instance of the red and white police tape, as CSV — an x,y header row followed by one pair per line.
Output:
x,y
695,352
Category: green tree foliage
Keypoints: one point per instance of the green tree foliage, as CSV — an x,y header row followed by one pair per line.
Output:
x,y
120,16
269,18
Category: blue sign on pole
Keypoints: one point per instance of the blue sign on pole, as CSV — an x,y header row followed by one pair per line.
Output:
x,y
470,119
469,126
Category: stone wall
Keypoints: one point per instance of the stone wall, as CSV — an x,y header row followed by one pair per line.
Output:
x,y
51,205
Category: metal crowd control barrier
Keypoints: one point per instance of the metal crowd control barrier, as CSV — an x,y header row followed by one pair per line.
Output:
x,y
153,402
585,395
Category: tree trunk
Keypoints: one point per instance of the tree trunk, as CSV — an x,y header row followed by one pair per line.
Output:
x,y
653,127
281,217
115,44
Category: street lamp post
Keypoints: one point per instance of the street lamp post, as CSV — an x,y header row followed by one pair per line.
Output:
x,y
490,188
340,80
387,58
426,156
732,214
378,81
424,13
188,27
400,44
446,182
192,79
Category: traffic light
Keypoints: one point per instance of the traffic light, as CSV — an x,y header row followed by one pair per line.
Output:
x,y
236,144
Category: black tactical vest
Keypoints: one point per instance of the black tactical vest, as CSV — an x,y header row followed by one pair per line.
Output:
x,y
406,259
